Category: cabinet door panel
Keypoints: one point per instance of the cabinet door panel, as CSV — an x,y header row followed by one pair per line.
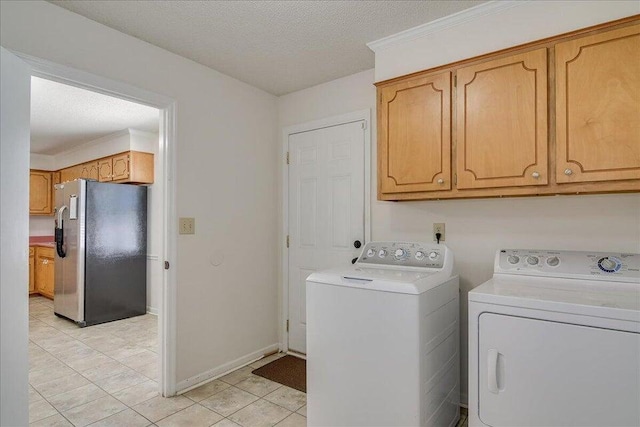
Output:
x,y
40,187
598,107
502,122
32,285
415,135
120,168
105,170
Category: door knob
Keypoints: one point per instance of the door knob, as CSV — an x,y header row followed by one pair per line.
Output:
x,y
357,244
353,261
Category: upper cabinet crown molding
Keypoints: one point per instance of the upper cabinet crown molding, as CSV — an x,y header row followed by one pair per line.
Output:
x,y
598,107
443,23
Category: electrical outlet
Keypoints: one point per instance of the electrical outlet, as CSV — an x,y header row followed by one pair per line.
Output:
x,y
438,227
187,226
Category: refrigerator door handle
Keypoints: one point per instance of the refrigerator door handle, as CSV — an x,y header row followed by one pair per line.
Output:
x,y
59,234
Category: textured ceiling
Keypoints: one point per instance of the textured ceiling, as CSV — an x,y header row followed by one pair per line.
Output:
x,y
63,117
278,46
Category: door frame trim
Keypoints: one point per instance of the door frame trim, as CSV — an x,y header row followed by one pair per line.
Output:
x,y
355,116
168,138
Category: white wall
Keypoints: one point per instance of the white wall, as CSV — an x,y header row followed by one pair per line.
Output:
x,y
226,179
476,228
14,270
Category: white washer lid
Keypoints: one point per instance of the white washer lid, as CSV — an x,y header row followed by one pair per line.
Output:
x,y
583,297
381,279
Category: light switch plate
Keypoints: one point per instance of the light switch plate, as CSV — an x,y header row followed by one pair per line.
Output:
x,y
187,226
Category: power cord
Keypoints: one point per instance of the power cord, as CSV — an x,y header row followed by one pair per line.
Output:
x,y
438,236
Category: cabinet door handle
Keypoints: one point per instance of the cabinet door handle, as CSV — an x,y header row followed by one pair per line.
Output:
x,y
568,171
441,181
45,261
536,175
492,370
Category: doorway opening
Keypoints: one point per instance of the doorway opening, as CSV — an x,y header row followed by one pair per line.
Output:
x,y
161,228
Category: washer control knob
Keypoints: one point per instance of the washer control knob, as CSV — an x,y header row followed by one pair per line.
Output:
x,y
382,253
608,264
553,261
433,256
513,259
400,254
532,260
420,255
371,252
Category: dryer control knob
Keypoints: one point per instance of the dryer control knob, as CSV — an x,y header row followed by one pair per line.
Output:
x,y
382,253
513,259
532,260
608,264
400,254
371,252
420,255
433,256
553,261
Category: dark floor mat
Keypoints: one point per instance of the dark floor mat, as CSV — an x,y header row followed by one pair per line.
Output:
x,y
288,370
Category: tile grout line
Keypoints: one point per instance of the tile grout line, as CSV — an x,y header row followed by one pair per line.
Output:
x,y
80,373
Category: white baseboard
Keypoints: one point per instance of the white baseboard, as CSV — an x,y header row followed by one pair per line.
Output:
x,y
217,372
152,310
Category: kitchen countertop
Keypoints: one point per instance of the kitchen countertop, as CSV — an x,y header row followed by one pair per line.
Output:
x,y
44,241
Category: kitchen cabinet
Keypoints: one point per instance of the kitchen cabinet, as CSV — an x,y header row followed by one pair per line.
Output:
x,y
415,135
598,107
44,271
71,173
128,167
89,170
40,192
32,270
132,166
502,122
556,116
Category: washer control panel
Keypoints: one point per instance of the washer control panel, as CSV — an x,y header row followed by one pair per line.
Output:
x,y
570,264
403,254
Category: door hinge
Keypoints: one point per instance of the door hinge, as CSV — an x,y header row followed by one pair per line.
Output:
x,y
455,81
287,157
364,125
287,325
287,240
455,179
166,265
380,98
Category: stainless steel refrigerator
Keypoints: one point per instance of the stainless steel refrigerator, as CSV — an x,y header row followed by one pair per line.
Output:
x,y
101,251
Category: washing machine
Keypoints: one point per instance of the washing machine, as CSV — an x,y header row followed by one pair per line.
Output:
x,y
383,338
554,340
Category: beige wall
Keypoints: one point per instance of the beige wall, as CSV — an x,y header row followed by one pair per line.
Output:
x,y
475,229
226,178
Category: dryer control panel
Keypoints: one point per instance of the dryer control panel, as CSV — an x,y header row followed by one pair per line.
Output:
x,y
619,267
404,254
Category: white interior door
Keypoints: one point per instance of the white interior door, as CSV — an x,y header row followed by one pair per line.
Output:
x,y
15,90
326,210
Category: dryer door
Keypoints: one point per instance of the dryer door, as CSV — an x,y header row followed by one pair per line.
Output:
x,y
541,373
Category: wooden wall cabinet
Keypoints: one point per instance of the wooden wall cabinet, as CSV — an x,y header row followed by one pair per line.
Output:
x,y
598,107
415,135
502,122
558,116
105,169
40,192
44,271
89,170
32,270
128,167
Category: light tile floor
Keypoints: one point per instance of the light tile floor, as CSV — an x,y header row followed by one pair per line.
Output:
x,y
105,375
